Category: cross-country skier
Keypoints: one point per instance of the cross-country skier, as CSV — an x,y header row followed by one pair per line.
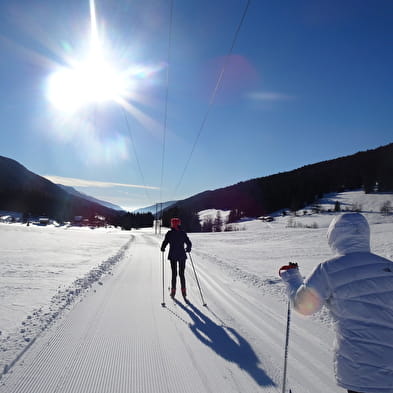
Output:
x,y
357,288
177,240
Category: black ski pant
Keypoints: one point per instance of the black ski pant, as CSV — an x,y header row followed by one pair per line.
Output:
x,y
182,266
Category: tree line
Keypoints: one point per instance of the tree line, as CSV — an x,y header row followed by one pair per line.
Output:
x,y
129,221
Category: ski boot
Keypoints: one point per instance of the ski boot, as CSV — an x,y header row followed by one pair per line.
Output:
x,y
173,292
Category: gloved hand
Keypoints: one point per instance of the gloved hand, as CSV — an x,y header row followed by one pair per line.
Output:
x,y
290,272
162,249
291,276
188,249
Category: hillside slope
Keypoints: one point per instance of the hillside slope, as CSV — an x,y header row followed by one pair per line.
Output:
x,y
23,191
295,189
71,190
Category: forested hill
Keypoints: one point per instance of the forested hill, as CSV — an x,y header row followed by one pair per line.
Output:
x,y
23,191
298,188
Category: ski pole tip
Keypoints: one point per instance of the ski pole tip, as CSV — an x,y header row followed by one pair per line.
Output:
x,y
163,304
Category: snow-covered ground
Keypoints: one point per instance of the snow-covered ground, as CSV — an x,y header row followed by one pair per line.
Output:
x,y
236,343
42,268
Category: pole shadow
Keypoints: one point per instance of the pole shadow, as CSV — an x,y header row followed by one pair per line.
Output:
x,y
227,343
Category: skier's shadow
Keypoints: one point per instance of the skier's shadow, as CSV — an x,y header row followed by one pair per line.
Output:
x,y
227,343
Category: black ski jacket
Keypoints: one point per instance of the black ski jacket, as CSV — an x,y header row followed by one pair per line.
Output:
x,y
176,238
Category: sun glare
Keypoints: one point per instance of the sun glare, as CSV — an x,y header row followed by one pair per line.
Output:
x,y
94,79
103,72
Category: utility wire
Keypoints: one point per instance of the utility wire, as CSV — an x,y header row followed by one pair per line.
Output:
x,y
214,93
166,100
136,155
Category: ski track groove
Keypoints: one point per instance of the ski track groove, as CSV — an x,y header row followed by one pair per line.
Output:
x,y
200,372
56,380
85,343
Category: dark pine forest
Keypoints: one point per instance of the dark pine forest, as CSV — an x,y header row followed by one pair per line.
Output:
x,y
368,170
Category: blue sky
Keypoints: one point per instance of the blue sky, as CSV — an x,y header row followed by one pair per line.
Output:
x,y
306,81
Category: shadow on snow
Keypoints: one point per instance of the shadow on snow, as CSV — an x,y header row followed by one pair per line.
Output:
x,y
227,343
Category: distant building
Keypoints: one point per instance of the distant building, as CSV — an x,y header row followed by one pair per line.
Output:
x,y
43,221
96,221
266,218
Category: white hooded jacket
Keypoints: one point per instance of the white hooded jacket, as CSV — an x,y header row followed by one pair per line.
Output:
x,y
357,288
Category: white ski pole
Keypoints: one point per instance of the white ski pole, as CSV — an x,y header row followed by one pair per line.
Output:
x,y
284,382
163,284
196,278
284,379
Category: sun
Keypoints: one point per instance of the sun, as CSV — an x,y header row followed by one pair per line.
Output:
x,y
92,79
104,72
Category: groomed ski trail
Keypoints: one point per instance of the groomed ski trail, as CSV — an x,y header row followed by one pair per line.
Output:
x,y
120,339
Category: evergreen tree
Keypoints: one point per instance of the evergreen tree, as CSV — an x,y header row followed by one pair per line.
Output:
x,y
234,216
217,225
207,225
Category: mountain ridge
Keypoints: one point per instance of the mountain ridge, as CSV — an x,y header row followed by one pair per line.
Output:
x,y
24,191
72,190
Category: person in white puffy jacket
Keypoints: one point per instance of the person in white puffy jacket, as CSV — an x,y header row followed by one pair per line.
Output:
x,y
357,288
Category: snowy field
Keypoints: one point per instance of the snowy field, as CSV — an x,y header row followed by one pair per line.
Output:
x,y
44,269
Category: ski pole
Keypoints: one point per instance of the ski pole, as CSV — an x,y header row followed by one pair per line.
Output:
x,y
163,284
286,348
196,278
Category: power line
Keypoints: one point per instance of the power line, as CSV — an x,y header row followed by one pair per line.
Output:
x,y
214,93
166,99
136,155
